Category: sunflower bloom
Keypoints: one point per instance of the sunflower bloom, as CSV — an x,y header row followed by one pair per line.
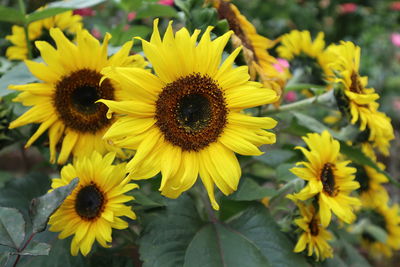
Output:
x,y
95,205
65,101
39,30
186,120
329,178
314,236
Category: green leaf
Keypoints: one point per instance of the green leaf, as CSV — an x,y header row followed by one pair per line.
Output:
x,y
377,232
11,15
4,177
144,200
275,157
19,74
220,246
283,172
35,249
313,124
249,190
12,227
43,207
75,4
156,10
353,257
45,13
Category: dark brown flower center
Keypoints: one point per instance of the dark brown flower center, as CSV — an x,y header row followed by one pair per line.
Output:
x,y
328,179
363,178
191,112
356,86
75,100
89,202
313,225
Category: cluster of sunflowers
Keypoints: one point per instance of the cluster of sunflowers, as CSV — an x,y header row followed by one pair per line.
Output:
x,y
184,117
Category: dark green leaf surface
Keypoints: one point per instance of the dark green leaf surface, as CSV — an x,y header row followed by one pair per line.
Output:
x,y
35,249
45,13
249,190
43,207
11,15
12,227
155,10
274,157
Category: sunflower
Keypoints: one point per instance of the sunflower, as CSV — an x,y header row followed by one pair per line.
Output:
x,y
388,219
359,102
64,102
39,30
329,178
186,120
254,46
314,235
95,205
301,51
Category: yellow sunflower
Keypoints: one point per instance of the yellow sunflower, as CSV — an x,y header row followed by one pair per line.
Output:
x,y
254,46
314,235
329,178
388,219
39,30
301,51
186,120
95,205
361,101
64,102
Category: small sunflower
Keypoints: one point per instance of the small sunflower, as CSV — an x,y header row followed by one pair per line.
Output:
x,y
360,102
186,120
328,177
314,235
301,51
388,219
254,46
95,205
39,31
65,102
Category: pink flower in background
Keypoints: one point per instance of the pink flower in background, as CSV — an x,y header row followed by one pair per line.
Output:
x,y
85,12
395,37
166,2
395,6
96,33
347,8
291,96
131,16
281,65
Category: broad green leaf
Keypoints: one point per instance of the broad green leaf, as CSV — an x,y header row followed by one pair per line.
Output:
x,y
75,4
146,201
249,190
130,5
11,15
353,257
43,207
217,245
19,74
35,249
155,10
45,13
4,177
12,227
377,232
275,157
283,172
313,124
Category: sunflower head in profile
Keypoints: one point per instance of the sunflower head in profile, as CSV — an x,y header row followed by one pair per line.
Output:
x,y
309,55
328,178
186,119
388,219
95,205
40,31
64,102
314,236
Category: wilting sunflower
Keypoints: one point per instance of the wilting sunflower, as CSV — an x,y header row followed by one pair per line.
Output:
x,y
301,51
186,120
96,203
388,219
315,237
329,178
65,102
359,102
39,31
254,45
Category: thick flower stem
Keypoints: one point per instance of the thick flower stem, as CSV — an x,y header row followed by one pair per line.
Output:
x,y
22,7
319,99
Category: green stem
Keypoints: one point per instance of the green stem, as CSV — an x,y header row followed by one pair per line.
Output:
x,y
319,99
22,7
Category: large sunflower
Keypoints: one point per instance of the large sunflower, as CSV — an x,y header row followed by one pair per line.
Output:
x,y
95,205
186,120
314,235
64,102
360,102
328,177
39,30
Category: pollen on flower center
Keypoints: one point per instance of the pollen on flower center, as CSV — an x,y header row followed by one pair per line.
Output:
x,y
313,225
75,100
328,179
356,86
191,112
89,202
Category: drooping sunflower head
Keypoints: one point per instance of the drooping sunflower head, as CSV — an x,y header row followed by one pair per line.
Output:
x,y
186,119
328,178
314,236
40,31
65,99
95,205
